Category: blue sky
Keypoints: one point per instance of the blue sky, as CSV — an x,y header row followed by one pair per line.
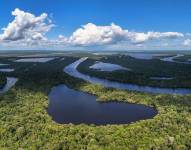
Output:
x,y
137,16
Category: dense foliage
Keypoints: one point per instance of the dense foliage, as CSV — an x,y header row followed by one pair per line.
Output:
x,y
25,123
141,72
2,80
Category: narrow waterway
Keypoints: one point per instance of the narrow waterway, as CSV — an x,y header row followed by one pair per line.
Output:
x,y
9,84
171,59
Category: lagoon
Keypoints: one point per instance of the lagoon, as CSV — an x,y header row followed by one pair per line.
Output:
x,y
69,106
101,66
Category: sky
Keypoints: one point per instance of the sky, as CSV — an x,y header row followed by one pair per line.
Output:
x,y
95,25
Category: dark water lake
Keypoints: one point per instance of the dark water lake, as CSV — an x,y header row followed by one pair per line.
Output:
x,y
69,106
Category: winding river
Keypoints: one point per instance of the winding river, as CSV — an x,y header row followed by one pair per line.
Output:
x,y
171,59
72,71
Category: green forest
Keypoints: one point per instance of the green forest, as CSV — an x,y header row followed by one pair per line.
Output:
x,y
25,123
141,71
2,80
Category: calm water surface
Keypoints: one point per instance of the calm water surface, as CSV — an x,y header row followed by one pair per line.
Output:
x,y
7,70
146,56
161,78
69,106
101,66
42,60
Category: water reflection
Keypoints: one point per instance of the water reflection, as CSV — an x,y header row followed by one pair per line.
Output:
x,y
40,60
7,70
101,66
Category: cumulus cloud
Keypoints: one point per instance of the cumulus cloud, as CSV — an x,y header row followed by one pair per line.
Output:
x,y
26,26
187,42
136,37
90,34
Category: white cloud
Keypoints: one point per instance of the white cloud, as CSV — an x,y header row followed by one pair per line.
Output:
x,y
187,42
90,34
26,26
136,37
